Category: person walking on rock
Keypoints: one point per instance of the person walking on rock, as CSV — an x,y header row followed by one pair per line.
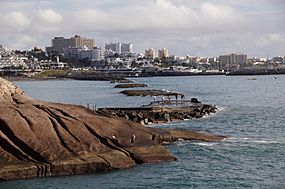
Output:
x,y
114,139
133,139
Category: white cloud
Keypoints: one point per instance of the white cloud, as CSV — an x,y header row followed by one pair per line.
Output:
x,y
49,16
219,12
155,16
21,41
185,27
15,20
46,21
14,5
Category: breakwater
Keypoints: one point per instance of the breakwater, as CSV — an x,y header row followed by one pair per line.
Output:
x,y
147,115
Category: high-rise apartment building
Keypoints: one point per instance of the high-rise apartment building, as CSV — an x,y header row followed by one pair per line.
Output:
x,y
127,48
120,48
233,58
150,53
163,53
59,43
115,47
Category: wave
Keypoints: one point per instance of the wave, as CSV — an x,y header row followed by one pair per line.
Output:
x,y
182,142
230,141
220,108
204,143
252,140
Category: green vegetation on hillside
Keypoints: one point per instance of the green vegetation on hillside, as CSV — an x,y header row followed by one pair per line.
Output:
x,y
50,73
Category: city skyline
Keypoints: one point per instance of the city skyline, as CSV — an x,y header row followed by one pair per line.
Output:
x,y
208,28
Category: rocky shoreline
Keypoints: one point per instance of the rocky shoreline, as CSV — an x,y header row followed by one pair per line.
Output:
x,y
39,139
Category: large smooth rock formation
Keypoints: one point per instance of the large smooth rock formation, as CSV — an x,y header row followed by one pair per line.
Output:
x,y
40,139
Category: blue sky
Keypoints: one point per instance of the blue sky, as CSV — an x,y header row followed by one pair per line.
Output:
x,y
193,27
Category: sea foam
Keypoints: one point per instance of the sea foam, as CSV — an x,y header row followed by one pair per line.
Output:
x,y
251,140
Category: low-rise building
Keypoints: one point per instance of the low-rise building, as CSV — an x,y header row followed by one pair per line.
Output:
x,y
278,59
73,52
1,49
48,64
81,53
12,62
193,59
92,54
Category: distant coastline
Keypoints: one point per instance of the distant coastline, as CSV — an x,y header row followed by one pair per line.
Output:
x,y
257,72
109,76
21,78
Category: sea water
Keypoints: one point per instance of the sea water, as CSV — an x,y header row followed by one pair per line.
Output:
x,y
251,113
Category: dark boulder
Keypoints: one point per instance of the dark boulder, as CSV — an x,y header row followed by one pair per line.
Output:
x,y
195,100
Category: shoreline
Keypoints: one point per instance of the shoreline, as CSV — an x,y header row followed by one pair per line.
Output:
x,y
34,79
112,79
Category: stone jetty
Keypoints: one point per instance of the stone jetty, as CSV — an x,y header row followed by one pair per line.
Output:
x,y
162,111
40,139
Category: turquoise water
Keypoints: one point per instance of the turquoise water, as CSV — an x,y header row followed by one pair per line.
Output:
x,y
251,113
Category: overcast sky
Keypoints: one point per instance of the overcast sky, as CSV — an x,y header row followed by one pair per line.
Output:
x,y
194,27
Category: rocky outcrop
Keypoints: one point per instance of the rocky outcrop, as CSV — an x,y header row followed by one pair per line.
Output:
x,y
156,115
121,80
130,85
39,139
149,93
7,90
